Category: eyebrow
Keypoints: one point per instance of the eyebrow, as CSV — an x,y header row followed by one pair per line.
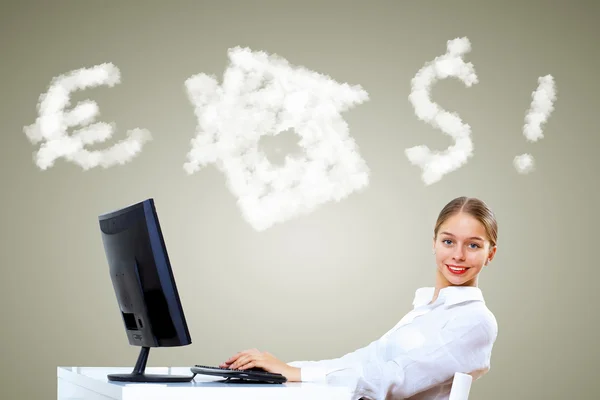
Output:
x,y
472,237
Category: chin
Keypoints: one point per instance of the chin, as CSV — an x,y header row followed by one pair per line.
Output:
x,y
457,281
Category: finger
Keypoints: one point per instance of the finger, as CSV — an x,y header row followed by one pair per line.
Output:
x,y
238,362
245,352
251,364
254,361
244,360
234,357
237,355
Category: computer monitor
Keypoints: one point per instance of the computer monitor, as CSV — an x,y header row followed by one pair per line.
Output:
x,y
144,286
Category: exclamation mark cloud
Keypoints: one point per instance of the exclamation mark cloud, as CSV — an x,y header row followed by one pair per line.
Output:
x,y
542,105
53,121
435,165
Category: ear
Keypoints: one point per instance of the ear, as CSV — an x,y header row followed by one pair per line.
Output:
x,y
491,255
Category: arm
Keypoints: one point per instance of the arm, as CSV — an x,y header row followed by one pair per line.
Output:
x,y
303,370
461,346
311,371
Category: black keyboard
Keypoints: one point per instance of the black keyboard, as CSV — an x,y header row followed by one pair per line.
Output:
x,y
250,374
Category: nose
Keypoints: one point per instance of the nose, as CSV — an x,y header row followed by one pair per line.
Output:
x,y
459,253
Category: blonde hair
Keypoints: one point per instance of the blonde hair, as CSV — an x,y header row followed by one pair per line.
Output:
x,y
474,207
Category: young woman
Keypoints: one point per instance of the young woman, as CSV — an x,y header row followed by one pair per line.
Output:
x,y
449,330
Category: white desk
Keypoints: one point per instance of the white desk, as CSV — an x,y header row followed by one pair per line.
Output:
x,y
90,383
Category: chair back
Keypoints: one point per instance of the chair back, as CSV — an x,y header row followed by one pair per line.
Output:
x,y
461,386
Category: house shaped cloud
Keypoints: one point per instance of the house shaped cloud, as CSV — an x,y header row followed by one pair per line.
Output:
x,y
263,94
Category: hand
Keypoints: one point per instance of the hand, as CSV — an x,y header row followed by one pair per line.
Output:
x,y
479,373
253,358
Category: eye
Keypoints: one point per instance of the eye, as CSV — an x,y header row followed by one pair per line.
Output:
x,y
446,240
476,245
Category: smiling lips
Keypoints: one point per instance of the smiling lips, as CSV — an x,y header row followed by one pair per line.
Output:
x,y
456,270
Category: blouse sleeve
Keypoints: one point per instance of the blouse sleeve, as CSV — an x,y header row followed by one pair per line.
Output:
x,y
460,346
349,364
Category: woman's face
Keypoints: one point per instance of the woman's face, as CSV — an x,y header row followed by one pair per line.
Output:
x,y
462,249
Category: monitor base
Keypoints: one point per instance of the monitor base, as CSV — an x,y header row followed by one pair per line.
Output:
x,y
138,374
148,378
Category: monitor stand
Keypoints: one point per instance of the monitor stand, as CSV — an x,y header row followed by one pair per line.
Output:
x,y
138,374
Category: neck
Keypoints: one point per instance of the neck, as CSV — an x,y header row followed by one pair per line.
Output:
x,y
441,282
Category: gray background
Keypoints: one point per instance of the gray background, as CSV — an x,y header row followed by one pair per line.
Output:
x,y
335,279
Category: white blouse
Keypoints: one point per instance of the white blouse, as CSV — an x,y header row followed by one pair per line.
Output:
x,y
419,356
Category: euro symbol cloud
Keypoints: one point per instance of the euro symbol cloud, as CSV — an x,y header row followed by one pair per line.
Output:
x,y
262,95
53,122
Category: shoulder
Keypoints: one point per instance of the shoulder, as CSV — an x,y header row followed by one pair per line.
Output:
x,y
476,318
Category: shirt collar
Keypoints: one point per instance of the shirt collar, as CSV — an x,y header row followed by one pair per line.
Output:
x,y
448,296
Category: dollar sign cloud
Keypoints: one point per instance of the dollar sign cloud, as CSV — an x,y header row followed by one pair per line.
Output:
x,y
436,164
